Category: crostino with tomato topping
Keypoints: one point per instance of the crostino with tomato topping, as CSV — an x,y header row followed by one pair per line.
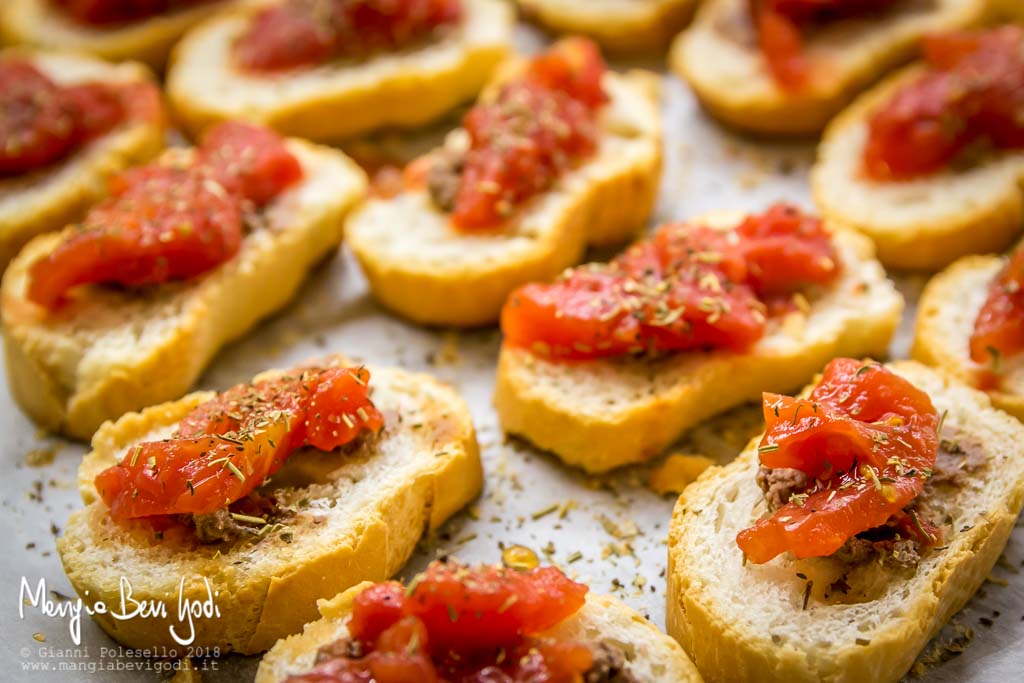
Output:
x,y
458,623
970,323
929,162
788,66
842,540
557,154
185,254
142,30
67,124
328,70
281,490
610,363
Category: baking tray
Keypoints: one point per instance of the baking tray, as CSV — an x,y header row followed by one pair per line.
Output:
x,y
609,531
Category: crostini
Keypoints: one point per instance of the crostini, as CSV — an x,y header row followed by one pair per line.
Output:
x,y
408,67
611,363
111,29
970,324
67,124
267,497
126,308
780,67
454,621
929,163
844,538
559,154
619,25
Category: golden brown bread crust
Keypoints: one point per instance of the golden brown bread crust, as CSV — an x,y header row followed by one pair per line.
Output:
x,y
425,270
364,514
617,25
921,224
110,352
52,197
602,414
839,642
336,101
718,56
38,23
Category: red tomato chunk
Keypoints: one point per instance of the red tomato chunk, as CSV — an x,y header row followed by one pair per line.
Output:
x,y
225,448
779,25
105,12
867,440
999,327
540,124
301,33
42,122
970,100
688,287
169,222
462,625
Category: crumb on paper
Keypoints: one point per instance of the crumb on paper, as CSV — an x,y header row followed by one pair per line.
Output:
x,y
41,457
677,472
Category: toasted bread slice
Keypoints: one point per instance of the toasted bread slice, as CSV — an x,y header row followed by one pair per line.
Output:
x,y
651,655
719,57
619,25
109,351
341,99
52,197
600,414
39,23
425,270
920,224
356,516
745,622
946,313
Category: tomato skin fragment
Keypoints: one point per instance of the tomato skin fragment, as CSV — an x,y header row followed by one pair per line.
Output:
x,y
227,447
969,98
867,440
112,12
462,624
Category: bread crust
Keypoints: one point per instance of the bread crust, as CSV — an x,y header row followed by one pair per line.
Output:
x,y
602,414
617,25
52,197
718,56
365,513
876,640
38,23
920,224
334,102
426,271
110,352
946,313
655,656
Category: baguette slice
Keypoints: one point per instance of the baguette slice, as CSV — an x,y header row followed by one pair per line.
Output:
x,y
921,224
651,655
110,351
52,197
342,99
358,517
39,23
719,57
620,25
747,622
600,414
425,270
946,313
